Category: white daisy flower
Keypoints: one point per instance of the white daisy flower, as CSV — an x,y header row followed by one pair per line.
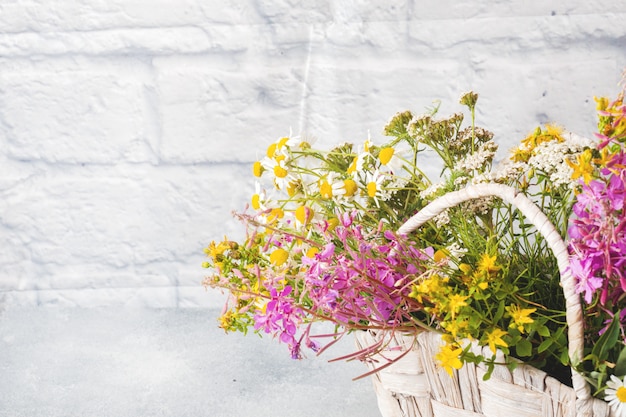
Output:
x,y
278,167
615,395
331,188
259,198
374,187
282,145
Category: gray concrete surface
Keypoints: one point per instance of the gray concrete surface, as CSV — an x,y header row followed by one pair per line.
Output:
x,y
139,362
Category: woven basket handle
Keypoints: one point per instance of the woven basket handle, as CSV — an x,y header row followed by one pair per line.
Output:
x,y
529,209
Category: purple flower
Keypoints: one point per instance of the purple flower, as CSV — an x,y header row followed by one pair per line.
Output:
x,y
586,282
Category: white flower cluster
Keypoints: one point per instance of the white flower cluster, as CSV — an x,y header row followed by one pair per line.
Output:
x,y
432,190
551,158
479,159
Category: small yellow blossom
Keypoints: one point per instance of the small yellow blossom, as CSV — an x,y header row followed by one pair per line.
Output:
x,y
449,358
456,328
455,302
601,103
582,167
431,286
520,316
494,339
487,264
215,250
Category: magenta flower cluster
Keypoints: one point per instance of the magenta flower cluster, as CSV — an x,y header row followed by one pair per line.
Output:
x,y
355,278
598,235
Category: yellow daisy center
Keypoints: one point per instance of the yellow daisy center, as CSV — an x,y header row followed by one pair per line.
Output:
x,y
326,190
279,257
271,150
371,189
620,393
257,169
304,214
350,187
385,155
256,201
282,142
280,172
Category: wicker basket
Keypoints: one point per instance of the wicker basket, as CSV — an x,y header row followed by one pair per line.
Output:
x,y
414,385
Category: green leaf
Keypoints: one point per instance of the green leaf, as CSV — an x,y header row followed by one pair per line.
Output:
x,y
490,368
607,341
620,366
545,345
543,331
500,312
524,348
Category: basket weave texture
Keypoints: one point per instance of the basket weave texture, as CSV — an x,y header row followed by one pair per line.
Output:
x,y
415,386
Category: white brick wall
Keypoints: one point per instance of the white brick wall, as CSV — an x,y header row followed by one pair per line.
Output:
x,y
127,127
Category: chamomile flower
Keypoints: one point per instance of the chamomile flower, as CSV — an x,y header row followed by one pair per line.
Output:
x,y
282,145
615,395
330,188
374,187
258,198
281,175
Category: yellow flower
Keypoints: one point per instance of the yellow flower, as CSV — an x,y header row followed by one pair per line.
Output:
x,y
601,103
215,250
582,167
455,303
520,316
431,286
554,132
494,339
456,327
487,264
448,358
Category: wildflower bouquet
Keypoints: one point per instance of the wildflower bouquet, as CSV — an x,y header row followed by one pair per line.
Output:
x,y
322,244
